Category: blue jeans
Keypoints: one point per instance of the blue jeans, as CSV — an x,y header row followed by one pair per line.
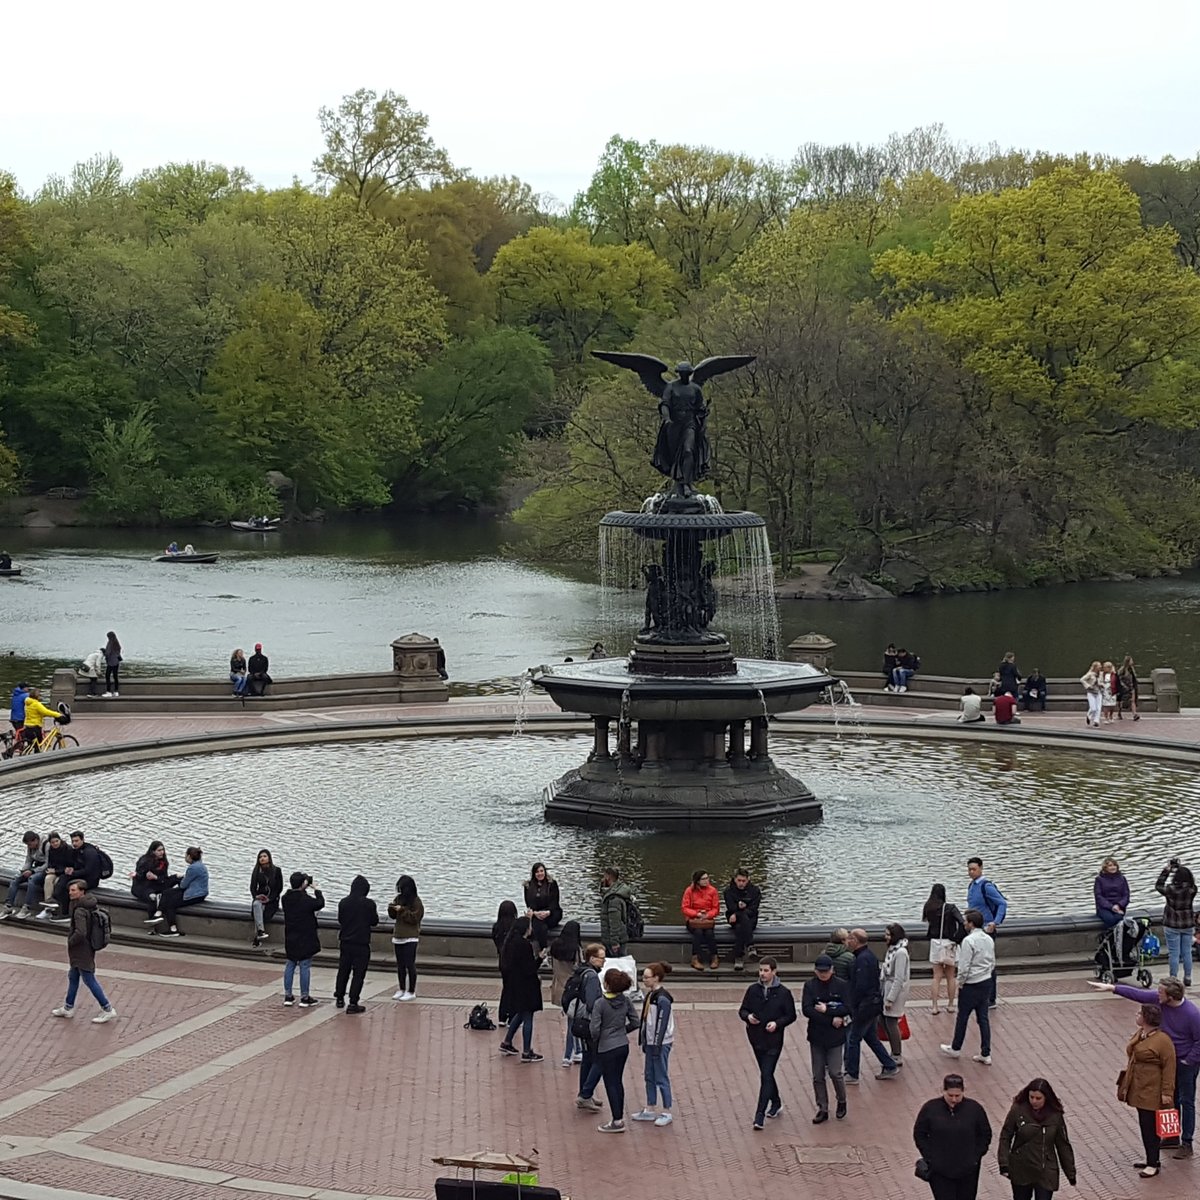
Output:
x,y
657,1080
901,676
14,889
93,985
569,1046
973,998
289,970
1185,1098
238,681
1108,918
524,1022
864,1031
1179,950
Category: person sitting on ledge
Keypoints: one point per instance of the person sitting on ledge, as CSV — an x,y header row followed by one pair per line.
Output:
x,y
151,877
1035,691
907,665
238,672
191,889
890,659
266,886
1004,706
257,685
701,905
598,651
970,707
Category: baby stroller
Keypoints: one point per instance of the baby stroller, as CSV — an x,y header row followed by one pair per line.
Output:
x,y
1125,948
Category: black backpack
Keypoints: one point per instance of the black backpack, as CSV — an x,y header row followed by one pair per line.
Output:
x,y
479,1019
634,921
99,928
574,988
106,865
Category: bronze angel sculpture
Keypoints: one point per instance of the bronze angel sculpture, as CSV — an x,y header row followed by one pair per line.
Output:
x,y
681,452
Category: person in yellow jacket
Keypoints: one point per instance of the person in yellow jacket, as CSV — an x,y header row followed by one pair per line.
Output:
x,y
35,713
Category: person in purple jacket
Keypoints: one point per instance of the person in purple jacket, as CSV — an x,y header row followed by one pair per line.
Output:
x,y
1112,894
1181,1023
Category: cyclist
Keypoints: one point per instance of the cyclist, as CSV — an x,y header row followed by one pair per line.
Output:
x,y
35,713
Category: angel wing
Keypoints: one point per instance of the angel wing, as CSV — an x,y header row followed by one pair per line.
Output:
x,y
718,364
649,369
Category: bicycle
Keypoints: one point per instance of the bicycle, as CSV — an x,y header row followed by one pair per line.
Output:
x,y
51,739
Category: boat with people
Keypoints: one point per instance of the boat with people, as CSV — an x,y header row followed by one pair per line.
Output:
x,y
256,525
186,555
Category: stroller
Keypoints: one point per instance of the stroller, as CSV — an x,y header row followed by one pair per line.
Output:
x,y
1125,948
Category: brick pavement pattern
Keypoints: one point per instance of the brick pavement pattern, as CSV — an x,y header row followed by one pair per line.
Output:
x,y
206,1088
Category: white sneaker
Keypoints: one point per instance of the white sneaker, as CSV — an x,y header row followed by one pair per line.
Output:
x,y
400,995
645,1115
44,915
950,1051
985,1059
107,1015
408,996
24,913
663,1119
6,912
64,1011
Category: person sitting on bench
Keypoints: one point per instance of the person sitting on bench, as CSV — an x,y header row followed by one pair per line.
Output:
x,y
259,678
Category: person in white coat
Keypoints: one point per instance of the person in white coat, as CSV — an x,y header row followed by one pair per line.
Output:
x,y
93,668
894,982
1093,686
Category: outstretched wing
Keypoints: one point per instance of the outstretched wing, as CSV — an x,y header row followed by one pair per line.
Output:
x,y
649,369
718,364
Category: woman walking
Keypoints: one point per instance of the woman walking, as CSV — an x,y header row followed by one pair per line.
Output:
x,y
1178,885
521,995
1033,1141
1129,687
945,926
1093,687
151,877
613,1020
1112,893
701,906
541,904
1110,687
112,667
408,912
1148,1082
266,886
656,1036
566,953
894,984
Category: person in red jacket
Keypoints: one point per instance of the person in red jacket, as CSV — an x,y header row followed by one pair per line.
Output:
x,y
1003,704
701,908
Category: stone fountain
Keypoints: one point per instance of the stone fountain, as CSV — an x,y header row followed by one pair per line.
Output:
x,y
691,720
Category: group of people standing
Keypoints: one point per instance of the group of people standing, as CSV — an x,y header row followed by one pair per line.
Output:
x,y
1110,691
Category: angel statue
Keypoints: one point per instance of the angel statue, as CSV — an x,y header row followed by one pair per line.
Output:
x,y
681,452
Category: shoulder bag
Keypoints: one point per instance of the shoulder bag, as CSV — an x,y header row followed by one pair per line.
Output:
x,y
942,950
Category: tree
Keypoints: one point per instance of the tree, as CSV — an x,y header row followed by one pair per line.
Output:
x,y
378,144
1169,192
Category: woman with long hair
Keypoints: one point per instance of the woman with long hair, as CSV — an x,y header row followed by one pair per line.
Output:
x,y
1148,1082
506,916
1033,1141
1093,686
151,877
894,982
521,996
1111,890
945,927
266,886
408,912
1127,675
237,671
1110,687
112,667
701,906
541,904
656,1036
566,953
1178,885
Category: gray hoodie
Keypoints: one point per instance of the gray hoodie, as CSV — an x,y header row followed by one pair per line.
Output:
x,y
611,1018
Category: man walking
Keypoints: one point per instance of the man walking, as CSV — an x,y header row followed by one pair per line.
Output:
x,y
976,969
357,916
866,1006
767,1009
81,954
825,1001
614,912
986,898
952,1134
301,937
742,899
1181,1023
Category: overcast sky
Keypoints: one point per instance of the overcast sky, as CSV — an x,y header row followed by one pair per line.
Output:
x,y
536,91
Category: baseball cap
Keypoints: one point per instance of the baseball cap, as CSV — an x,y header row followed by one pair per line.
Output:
x,y
823,963
258,645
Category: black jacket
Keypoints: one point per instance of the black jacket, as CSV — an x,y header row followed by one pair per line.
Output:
x,y
87,865
835,995
866,1000
522,990
300,937
160,867
544,896
58,860
266,881
357,915
1010,677
258,665
767,1004
751,894
952,1141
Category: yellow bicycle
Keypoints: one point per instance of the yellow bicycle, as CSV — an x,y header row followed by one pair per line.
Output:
x,y
51,739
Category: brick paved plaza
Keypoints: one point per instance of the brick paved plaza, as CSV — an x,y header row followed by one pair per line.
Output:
x,y
206,1088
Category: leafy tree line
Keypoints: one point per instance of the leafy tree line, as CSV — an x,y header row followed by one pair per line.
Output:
x,y
974,365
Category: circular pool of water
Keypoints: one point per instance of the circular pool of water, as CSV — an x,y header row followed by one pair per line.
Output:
x,y
463,815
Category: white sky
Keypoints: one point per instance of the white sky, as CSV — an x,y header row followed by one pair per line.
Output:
x,y
536,91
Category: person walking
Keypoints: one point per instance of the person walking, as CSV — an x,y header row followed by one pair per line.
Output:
x,y
407,911
1178,885
1180,1021
81,954
112,667
986,898
1034,1141
612,1021
1093,688
825,1001
976,962
16,714
866,1007
945,928
521,997
357,917
952,1134
742,901
767,1009
1127,676
701,905
1148,1082
842,955
590,989
566,953
266,886
615,898
894,981
150,879
656,1036
301,935
191,889
1110,687
542,904
1112,893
